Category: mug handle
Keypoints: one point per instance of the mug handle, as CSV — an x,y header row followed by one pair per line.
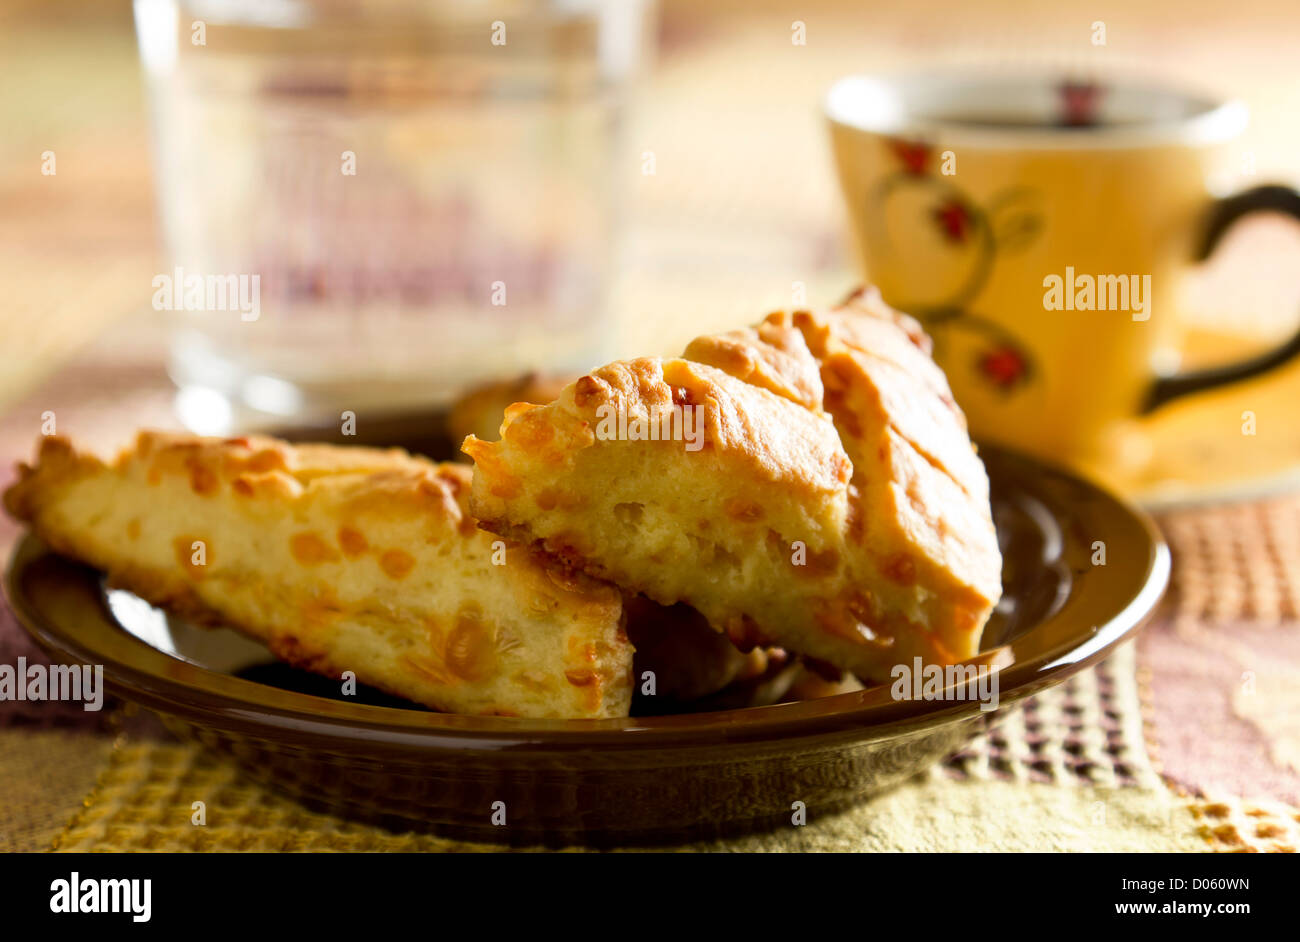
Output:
x,y
1225,213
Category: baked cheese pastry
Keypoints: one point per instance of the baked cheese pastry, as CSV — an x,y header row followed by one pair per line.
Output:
x,y
339,559
807,483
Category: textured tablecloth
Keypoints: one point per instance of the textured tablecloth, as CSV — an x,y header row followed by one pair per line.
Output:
x,y
1187,740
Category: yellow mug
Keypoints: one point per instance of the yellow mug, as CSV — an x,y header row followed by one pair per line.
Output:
x,y
1038,229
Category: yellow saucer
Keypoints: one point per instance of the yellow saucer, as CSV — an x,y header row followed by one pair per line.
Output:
x,y
1241,442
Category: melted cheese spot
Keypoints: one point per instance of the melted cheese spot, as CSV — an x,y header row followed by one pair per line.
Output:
x,y
309,549
396,563
353,542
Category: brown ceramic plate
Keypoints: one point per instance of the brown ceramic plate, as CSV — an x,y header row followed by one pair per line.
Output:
x,y
612,781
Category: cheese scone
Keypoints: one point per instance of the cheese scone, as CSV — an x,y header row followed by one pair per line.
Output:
x,y
807,483
339,559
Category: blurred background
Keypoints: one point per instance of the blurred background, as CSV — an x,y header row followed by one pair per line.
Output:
x,y
631,173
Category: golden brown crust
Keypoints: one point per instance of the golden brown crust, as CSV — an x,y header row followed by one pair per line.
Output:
x,y
772,436
338,558
772,356
862,543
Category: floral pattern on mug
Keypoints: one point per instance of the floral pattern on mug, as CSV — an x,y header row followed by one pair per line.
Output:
x,y
1009,222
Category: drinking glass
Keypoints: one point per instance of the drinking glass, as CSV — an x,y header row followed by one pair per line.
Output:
x,y
374,207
